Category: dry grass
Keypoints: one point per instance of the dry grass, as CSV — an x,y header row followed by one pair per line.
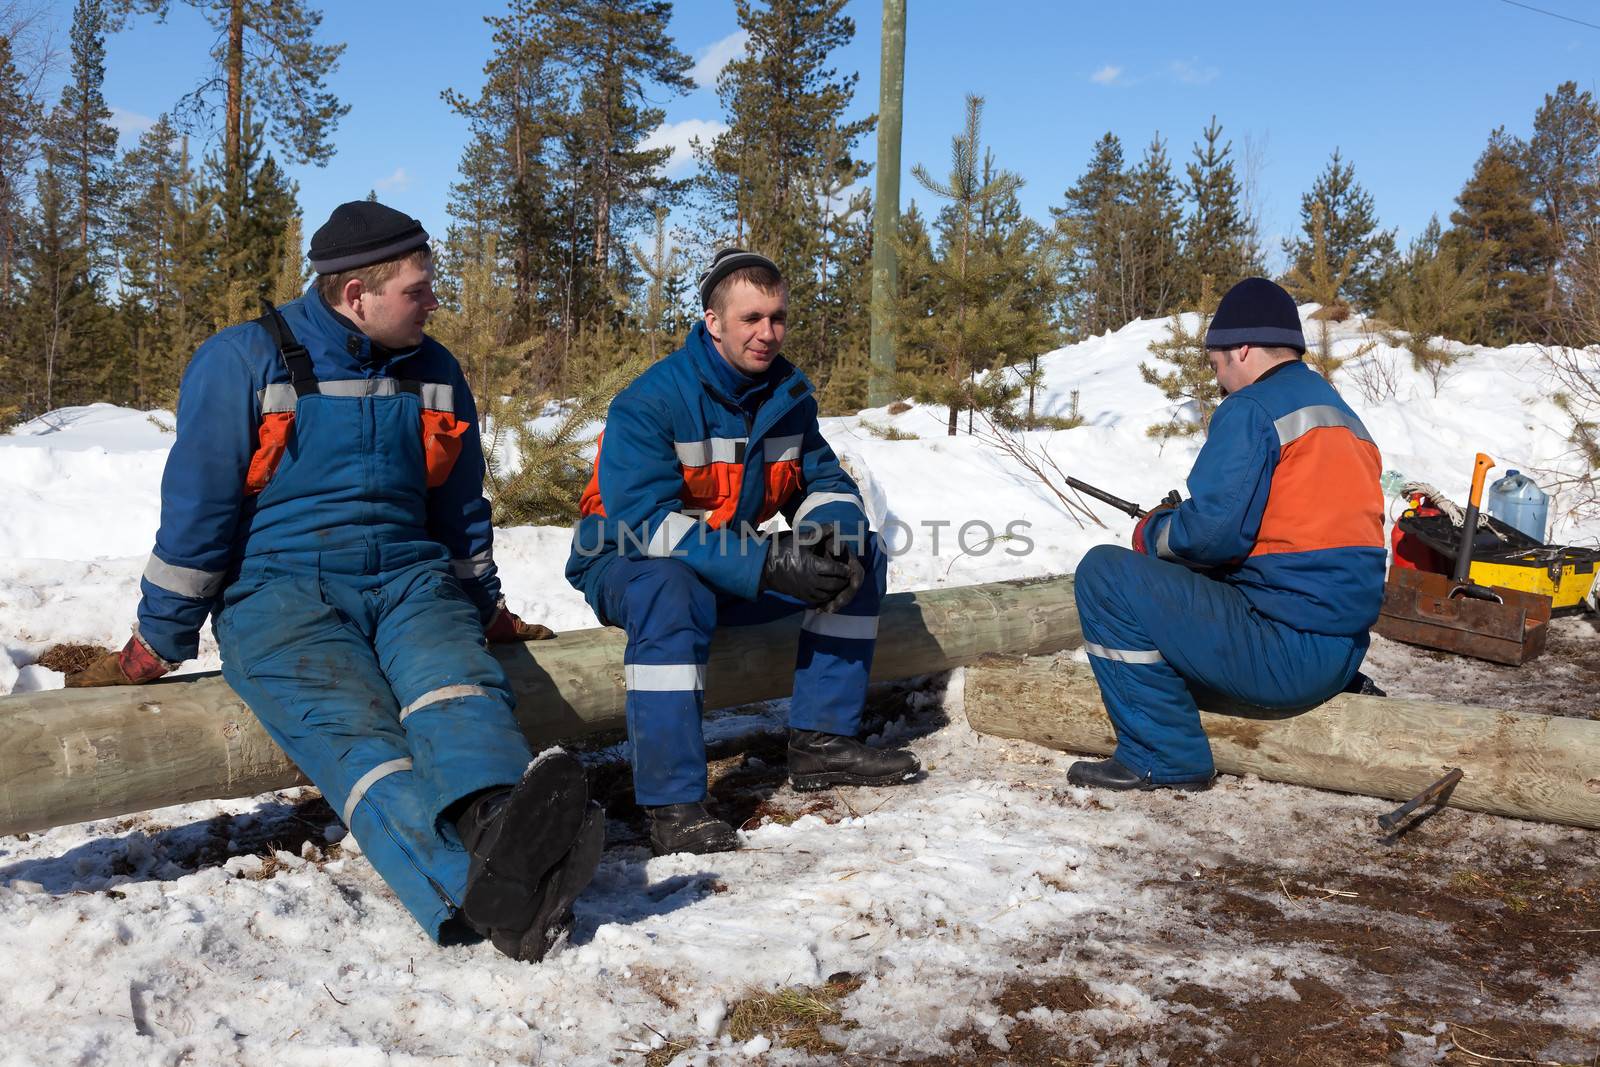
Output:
x,y
794,1017
70,658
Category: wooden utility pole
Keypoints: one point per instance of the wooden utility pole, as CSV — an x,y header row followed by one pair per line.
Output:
x,y
886,208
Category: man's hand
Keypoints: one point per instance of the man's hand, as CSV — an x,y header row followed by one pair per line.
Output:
x,y
136,664
506,629
819,572
1168,502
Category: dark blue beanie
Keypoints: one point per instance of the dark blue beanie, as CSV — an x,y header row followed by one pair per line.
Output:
x,y
1256,312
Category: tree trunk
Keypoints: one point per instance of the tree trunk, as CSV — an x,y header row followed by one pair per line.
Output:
x,y
235,101
75,754
1518,764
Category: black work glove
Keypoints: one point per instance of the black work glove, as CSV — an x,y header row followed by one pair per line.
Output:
x,y
817,571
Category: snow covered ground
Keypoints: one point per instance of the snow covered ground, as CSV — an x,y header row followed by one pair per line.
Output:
x,y
987,914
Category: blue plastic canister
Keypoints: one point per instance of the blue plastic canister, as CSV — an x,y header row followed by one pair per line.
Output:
x,y
1514,499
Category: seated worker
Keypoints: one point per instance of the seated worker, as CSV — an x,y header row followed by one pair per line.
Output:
x,y
323,501
703,446
1262,585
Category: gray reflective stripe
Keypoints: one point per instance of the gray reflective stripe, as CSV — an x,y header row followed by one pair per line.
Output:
x,y
437,397
276,399
185,581
360,387
711,450
473,566
368,780
858,627
1297,424
816,500
1164,544
438,696
783,448
665,677
1122,655
674,527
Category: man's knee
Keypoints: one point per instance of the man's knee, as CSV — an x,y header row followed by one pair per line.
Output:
x,y
1101,569
669,592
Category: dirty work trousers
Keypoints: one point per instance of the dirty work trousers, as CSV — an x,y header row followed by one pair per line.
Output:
x,y
376,681
1154,630
670,615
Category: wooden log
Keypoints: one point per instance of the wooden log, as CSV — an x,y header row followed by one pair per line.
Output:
x,y
1524,765
76,754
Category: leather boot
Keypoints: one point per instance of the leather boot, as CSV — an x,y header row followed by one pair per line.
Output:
x,y
818,760
551,917
515,837
688,828
1109,774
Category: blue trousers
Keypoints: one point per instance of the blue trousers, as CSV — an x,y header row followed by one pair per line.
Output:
x,y
379,686
1154,630
669,615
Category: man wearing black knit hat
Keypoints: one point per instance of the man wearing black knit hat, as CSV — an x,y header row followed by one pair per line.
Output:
x,y
323,503
1262,585
701,449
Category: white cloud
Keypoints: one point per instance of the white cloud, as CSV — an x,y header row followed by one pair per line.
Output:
x,y
129,124
714,57
1106,75
394,182
1192,73
677,135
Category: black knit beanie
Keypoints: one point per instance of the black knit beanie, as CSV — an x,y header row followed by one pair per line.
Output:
x,y
361,233
724,263
1256,312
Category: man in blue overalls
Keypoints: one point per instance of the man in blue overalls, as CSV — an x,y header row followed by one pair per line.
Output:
x,y
1260,586
703,447
323,501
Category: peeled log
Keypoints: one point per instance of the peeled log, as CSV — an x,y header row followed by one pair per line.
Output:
x,y
1524,765
76,754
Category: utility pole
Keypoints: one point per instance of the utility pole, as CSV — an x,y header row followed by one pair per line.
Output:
x,y
886,207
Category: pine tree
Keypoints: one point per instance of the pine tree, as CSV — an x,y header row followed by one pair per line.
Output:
x,y
81,134
662,268
616,52
786,139
1318,279
18,145
1440,294
266,51
1495,216
989,283
1564,165
255,206
1150,267
1217,237
1088,228
1351,225
1192,381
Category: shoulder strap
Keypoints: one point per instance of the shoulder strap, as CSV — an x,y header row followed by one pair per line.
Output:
x,y
294,355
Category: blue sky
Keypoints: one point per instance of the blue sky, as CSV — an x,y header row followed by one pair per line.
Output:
x,y
1407,89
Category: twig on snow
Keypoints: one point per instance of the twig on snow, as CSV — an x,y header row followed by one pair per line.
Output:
x,y
336,1000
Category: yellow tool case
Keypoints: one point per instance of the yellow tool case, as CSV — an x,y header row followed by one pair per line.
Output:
x,y
1505,556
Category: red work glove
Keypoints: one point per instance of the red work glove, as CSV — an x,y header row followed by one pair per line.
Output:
x,y
1167,504
506,629
136,664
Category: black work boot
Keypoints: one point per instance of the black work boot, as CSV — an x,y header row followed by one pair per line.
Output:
x,y
551,917
1109,774
514,838
818,760
688,828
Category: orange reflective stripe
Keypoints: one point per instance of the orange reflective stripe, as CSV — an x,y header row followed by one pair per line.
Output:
x,y
273,439
1325,494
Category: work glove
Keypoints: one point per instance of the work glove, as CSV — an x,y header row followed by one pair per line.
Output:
x,y
136,664
815,570
1168,502
507,629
